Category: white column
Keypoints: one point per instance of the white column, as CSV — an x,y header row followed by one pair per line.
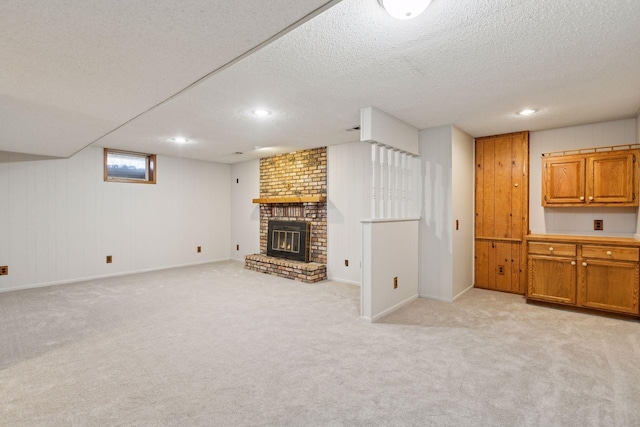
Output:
x,y
390,182
410,163
374,176
405,160
398,186
383,182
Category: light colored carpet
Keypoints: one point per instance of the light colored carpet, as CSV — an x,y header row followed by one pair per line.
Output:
x,y
217,345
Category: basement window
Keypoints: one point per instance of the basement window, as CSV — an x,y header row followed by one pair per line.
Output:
x,y
126,166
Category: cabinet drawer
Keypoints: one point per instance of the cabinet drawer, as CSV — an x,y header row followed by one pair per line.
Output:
x,y
610,252
550,248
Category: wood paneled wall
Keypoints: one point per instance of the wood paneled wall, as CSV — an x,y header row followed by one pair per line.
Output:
x,y
501,211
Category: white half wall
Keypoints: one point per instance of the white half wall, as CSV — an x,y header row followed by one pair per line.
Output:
x,y
60,219
390,249
579,220
348,188
245,215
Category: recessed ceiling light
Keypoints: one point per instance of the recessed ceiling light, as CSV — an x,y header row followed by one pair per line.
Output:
x,y
179,139
526,112
261,112
404,9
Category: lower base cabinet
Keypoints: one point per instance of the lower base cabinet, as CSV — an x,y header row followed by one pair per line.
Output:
x,y
552,279
588,272
611,286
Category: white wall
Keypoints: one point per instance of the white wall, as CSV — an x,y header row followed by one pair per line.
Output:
x,y
462,207
436,213
60,219
617,221
349,192
245,215
446,254
390,249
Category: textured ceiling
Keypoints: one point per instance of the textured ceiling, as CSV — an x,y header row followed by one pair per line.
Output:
x,y
73,71
468,63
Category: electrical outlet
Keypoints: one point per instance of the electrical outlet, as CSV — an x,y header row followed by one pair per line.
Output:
x,y
109,259
501,270
4,270
598,224
395,283
346,263
199,249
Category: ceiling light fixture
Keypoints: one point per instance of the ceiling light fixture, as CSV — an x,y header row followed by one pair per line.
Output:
x,y
260,112
179,139
526,112
404,9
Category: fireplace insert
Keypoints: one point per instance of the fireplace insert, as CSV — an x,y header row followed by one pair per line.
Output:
x,y
289,239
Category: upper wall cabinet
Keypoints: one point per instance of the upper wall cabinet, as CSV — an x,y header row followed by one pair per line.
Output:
x,y
596,178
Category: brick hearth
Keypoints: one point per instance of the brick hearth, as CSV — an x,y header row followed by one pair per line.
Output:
x,y
307,272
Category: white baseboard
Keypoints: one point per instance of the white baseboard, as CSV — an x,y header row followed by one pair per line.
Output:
x,y
462,293
436,298
389,310
104,276
443,299
348,282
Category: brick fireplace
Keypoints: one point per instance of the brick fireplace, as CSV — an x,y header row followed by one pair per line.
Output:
x,y
293,187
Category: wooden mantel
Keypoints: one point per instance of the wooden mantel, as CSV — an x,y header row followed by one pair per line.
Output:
x,y
302,199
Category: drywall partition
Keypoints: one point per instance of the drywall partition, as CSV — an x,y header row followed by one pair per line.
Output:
x,y
436,251
446,254
462,211
382,128
617,221
348,195
390,257
245,215
60,219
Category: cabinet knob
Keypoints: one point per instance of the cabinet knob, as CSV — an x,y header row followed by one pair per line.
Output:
x,y
581,198
590,198
584,264
515,185
550,249
609,253
573,263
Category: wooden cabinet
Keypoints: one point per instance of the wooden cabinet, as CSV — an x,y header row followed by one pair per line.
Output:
x,y
591,272
552,272
501,211
552,279
594,179
609,278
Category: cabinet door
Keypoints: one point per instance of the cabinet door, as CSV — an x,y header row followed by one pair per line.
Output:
x,y
610,178
563,180
611,286
552,279
497,266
